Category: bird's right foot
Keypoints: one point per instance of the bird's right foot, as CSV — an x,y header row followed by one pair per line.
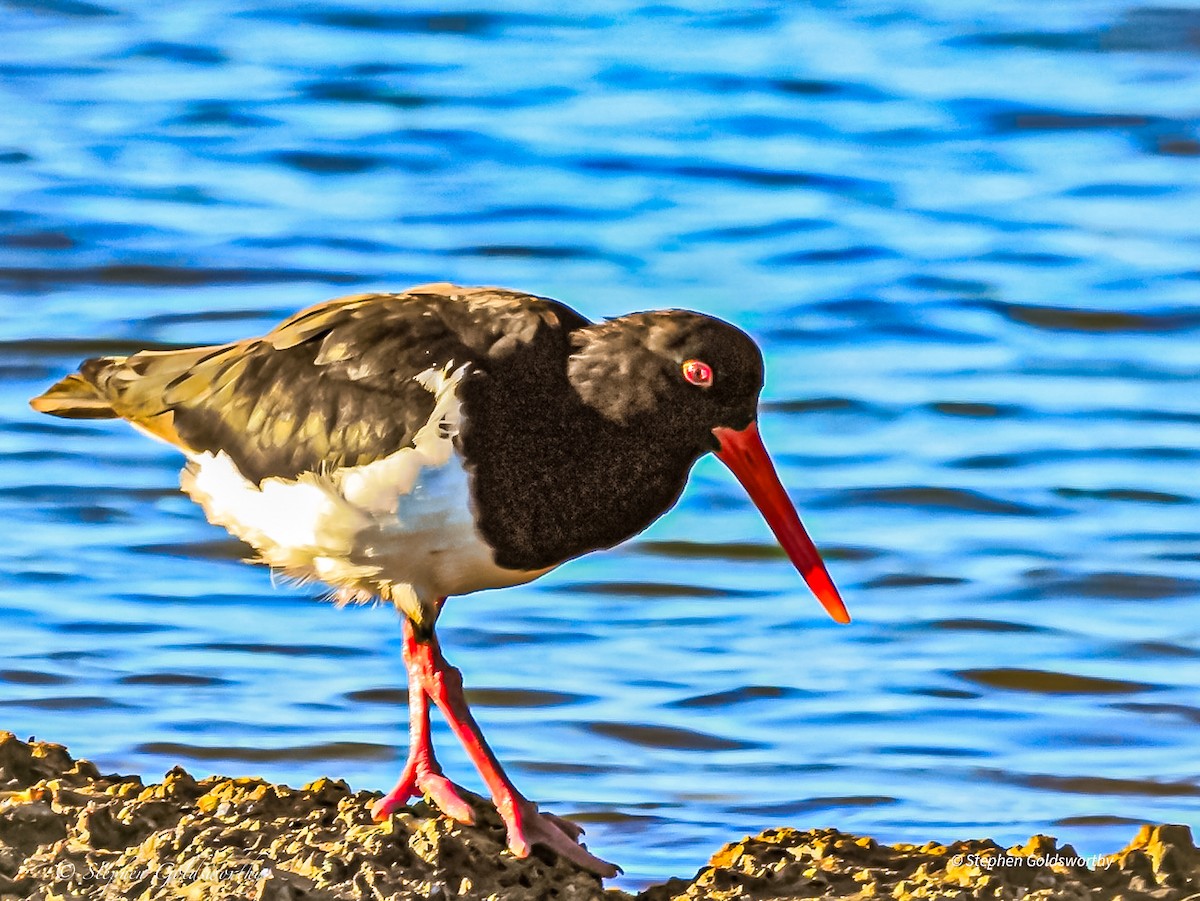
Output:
x,y
526,826
421,777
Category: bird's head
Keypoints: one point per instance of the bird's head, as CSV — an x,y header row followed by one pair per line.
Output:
x,y
695,381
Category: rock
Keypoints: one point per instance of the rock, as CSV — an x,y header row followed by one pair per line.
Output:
x,y
68,832
783,864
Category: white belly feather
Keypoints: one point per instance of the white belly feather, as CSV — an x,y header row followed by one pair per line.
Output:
x,y
401,527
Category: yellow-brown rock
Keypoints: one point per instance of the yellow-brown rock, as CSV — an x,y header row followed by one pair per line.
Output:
x,y
68,832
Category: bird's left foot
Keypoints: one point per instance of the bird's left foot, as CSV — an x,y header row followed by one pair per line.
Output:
x,y
423,777
527,826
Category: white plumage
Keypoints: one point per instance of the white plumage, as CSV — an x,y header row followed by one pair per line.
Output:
x,y
401,528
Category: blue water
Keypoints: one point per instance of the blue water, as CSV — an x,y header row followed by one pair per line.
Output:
x,y
966,235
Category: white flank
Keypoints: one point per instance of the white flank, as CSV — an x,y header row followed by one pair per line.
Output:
x,y
401,527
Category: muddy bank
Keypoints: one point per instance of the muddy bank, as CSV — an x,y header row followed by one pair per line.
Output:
x,y
69,832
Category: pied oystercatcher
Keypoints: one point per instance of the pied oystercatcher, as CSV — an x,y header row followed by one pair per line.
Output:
x,y
410,447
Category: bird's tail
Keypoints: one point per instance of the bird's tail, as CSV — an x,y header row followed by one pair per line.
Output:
x,y
81,395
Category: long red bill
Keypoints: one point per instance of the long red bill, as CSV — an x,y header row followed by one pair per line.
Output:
x,y
743,452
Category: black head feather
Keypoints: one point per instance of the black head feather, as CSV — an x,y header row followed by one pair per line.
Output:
x,y
631,370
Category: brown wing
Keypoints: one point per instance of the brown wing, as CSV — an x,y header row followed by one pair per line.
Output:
x,y
335,385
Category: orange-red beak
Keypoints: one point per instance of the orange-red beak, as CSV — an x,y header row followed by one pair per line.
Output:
x,y
744,453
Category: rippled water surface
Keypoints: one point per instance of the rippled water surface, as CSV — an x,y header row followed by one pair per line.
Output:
x,y
966,236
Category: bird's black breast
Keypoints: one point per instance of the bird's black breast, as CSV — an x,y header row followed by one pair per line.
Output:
x,y
551,477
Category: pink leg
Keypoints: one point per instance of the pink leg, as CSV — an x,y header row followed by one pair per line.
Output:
x,y
525,825
421,774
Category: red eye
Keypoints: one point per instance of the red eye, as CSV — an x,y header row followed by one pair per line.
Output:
x,y
698,373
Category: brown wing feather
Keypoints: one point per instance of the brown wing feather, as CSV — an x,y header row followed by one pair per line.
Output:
x,y
334,385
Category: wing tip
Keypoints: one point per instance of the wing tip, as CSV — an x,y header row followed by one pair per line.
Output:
x,y
73,397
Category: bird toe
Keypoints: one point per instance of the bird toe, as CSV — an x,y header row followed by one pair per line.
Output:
x,y
527,826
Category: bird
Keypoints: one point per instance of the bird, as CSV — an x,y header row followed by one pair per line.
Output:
x,y
410,447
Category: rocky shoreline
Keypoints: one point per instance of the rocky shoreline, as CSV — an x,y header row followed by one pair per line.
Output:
x,y
68,832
